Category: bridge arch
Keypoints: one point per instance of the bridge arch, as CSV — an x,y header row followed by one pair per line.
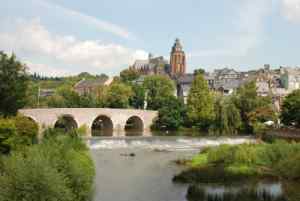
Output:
x,y
134,126
102,126
66,122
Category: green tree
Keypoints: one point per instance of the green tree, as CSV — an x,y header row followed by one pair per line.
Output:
x,y
290,114
200,103
65,96
118,95
129,75
199,71
227,119
171,114
13,84
247,101
138,98
157,87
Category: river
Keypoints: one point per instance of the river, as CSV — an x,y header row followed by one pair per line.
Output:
x,y
141,169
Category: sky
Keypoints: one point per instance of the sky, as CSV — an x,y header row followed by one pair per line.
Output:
x,y
66,37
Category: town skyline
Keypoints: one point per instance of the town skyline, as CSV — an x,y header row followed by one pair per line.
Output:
x,y
55,37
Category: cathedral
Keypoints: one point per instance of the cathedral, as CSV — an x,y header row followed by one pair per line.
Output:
x,y
158,65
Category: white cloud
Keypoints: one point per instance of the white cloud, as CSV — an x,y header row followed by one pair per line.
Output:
x,y
31,39
46,70
90,20
246,34
291,10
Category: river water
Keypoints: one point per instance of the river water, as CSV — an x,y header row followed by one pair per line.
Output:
x,y
141,169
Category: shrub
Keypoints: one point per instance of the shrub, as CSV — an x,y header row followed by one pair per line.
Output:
x,y
293,164
221,154
245,154
7,131
60,168
82,130
200,160
32,179
241,170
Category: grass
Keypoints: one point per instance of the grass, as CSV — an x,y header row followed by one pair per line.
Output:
x,y
199,160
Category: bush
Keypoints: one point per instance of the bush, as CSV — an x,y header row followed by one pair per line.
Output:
x,y
7,132
280,159
293,164
32,179
16,133
60,168
221,154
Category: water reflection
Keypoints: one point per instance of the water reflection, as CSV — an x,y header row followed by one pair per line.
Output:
x,y
261,191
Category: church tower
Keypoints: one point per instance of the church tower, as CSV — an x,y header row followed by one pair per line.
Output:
x,y
177,59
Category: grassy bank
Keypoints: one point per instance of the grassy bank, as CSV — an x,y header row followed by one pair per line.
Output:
x,y
59,168
233,163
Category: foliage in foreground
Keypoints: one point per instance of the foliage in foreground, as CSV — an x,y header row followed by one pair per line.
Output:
x,y
17,133
227,163
59,168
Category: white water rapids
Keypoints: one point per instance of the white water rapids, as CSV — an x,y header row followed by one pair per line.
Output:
x,y
164,143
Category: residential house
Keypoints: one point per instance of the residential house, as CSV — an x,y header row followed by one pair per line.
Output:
x,y
84,86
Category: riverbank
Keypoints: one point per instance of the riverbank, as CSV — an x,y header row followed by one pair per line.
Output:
x,y
227,168
229,163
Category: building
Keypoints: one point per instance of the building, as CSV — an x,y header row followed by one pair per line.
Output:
x,y
151,66
226,75
84,86
183,85
177,60
290,78
227,87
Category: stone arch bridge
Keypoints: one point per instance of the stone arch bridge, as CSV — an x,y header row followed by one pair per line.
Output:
x,y
99,121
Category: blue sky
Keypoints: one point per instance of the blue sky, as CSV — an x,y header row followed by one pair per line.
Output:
x,y
63,37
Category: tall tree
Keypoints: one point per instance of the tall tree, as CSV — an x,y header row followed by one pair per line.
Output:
x,y
200,103
171,114
129,75
118,95
290,114
247,100
137,100
227,119
157,87
13,84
